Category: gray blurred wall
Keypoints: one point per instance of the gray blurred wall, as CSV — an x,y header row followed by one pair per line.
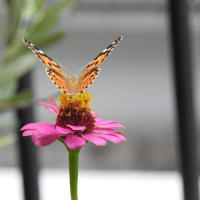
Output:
x,y
135,85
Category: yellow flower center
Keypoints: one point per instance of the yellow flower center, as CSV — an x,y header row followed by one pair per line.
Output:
x,y
76,110
82,100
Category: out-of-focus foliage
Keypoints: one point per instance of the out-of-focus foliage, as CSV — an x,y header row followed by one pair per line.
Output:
x,y
31,19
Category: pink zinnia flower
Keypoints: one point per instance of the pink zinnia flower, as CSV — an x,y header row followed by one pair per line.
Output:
x,y
75,124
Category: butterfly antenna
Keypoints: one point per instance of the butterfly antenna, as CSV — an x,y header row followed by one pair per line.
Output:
x,y
25,41
29,44
117,41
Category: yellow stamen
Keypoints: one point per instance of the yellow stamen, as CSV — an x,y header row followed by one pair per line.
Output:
x,y
76,110
82,100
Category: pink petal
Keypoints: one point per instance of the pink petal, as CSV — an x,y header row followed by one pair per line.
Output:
x,y
42,133
53,103
50,107
111,138
104,130
28,126
107,123
43,140
121,136
76,128
33,126
45,128
63,130
74,141
29,132
94,139
99,120
111,132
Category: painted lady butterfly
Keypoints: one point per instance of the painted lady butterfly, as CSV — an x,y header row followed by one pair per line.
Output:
x,y
72,83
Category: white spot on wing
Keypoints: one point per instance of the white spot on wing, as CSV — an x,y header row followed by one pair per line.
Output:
x,y
40,51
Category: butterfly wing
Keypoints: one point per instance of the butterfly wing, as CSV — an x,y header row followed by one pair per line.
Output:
x,y
91,71
55,72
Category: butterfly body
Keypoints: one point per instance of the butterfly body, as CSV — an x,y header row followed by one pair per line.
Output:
x,y
72,83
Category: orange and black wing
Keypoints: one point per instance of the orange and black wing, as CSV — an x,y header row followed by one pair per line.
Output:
x,y
55,72
91,71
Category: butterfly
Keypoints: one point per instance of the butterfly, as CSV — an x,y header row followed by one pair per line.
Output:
x,y
72,83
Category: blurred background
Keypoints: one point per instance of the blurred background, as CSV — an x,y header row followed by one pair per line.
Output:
x,y
134,88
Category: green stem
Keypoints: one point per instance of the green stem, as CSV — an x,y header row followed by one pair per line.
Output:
x,y
73,172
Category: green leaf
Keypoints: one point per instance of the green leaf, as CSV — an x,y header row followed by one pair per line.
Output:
x,y
19,97
30,18
8,90
38,4
13,70
49,19
15,9
43,42
18,100
39,40
12,53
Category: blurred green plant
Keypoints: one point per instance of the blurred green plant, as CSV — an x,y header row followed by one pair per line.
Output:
x,y
31,19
